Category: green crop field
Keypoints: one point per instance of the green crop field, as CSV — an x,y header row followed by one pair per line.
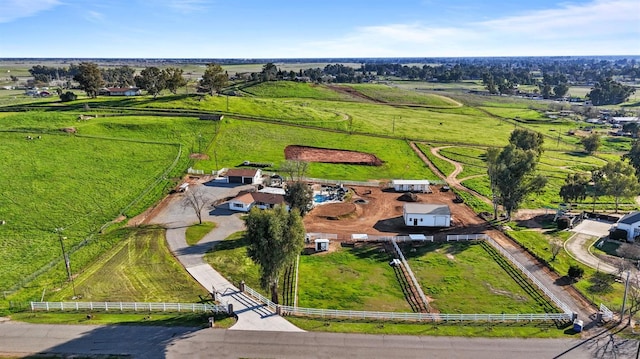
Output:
x,y
397,95
290,89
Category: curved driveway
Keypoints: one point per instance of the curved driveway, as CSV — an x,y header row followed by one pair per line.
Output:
x,y
577,246
176,218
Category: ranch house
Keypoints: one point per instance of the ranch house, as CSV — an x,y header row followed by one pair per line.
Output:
x,y
426,215
411,186
244,176
630,223
123,91
262,200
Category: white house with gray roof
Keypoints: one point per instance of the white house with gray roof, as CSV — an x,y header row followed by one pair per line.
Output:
x,y
426,215
630,223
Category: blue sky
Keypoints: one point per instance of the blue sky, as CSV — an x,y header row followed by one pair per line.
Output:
x,y
311,28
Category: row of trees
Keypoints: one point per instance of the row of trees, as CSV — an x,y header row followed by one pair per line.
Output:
x,y
152,79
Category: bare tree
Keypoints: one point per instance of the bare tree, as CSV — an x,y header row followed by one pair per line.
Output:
x,y
556,248
194,198
633,296
622,265
294,169
628,250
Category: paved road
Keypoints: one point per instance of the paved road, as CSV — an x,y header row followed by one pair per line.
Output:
x,y
176,218
179,342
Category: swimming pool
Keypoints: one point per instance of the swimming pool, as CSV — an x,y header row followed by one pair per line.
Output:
x,y
319,198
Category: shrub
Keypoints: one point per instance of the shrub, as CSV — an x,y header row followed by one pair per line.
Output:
x,y
68,96
575,272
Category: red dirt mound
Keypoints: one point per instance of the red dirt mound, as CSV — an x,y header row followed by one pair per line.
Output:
x,y
334,209
328,155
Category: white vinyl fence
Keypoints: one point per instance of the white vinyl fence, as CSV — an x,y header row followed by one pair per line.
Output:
x,y
466,237
129,307
416,284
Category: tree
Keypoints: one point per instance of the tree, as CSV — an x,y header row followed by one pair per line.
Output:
x,y
633,156
628,250
527,140
492,171
575,272
68,96
574,188
194,199
631,127
152,80
619,180
214,78
555,247
269,72
511,172
295,169
276,238
597,177
173,79
560,90
90,78
609,92
591,143
299,196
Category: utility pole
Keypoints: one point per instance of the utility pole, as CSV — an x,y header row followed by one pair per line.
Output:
x,y
65,257
624,298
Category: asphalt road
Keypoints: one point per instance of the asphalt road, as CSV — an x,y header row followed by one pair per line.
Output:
x,y
179,342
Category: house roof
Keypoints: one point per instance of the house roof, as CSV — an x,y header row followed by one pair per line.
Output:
x,y
241,172
122,89
420,208
246,198
269,198
418,182
630,218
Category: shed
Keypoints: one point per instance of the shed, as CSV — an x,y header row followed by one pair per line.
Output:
x,y
322,244
426,215
123,91
244,176
630,223
359,237
411,186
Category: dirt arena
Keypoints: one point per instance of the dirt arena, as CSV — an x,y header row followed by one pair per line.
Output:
x,y
374,211
327,155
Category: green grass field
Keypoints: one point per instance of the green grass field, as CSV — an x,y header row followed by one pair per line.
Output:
x,y
463,278
350,278
398,95
197,231
139,268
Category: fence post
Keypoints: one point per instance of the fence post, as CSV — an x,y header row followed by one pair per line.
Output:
x,y
230,308
241,286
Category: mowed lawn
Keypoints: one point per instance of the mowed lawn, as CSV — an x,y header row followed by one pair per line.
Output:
x,y
139,268
357,278
463,278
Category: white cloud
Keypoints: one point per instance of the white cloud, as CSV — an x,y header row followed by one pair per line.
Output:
x,y
94,16
598,27
16,9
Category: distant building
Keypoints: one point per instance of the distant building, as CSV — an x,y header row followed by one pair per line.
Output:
x,y
245,176
123,91
411,186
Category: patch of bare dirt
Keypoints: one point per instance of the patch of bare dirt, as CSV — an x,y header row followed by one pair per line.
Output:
x,y
199,156
328,155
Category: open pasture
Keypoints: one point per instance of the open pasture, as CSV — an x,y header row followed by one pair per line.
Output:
x,y
467,278
238,141
290,89
140,268
64,181
397,95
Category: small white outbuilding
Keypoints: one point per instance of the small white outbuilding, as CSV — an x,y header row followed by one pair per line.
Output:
x,y
322,244
426,215
401,185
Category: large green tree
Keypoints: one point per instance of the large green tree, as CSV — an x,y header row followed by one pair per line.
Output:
x,y
633,156
574,188
299,196
269,72
527,140
619,180
591,143
90,78
152,80
276,238
609,92
173,79
214,78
